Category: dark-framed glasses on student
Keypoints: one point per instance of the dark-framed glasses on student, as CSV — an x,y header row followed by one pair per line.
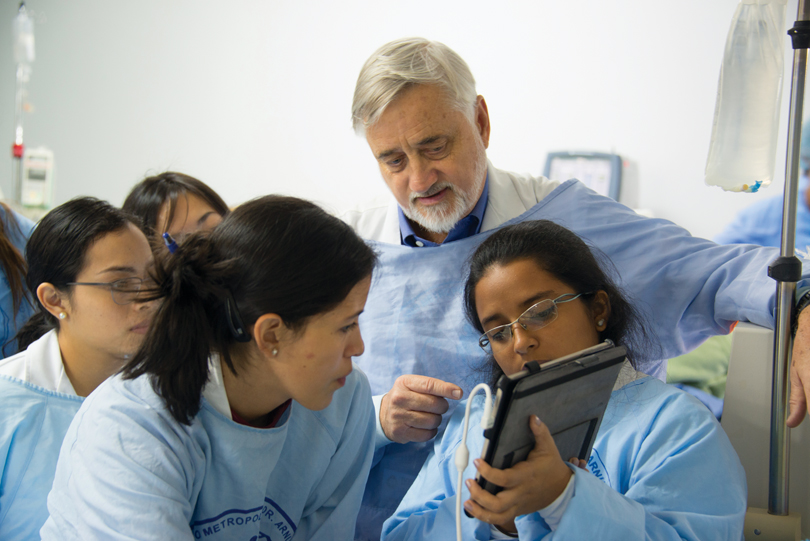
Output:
x,y
124,291
536,317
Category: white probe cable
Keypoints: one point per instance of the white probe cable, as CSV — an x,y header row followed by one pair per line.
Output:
x,y
462,453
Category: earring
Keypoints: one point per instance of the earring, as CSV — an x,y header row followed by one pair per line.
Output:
x,y
62,315
600,323
274,352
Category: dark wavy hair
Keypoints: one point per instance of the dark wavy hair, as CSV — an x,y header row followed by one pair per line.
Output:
x,y
149,195
13,265
561,253
274,254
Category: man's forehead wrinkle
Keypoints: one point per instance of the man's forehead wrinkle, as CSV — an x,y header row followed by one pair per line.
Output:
x,y
417,118
403,139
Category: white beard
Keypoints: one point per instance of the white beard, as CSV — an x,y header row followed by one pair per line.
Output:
x,y
442,217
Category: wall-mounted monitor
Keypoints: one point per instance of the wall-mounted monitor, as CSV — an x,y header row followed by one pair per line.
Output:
x,y
599,171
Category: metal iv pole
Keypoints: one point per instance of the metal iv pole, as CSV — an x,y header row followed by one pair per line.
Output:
x,y
786,270
23,56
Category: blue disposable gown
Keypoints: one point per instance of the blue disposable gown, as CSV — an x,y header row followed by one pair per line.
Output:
x,y
11,321
761,223
661,468
33,422
128,470
686,289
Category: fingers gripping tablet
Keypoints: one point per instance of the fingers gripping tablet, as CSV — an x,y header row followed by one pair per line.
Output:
x,y
569,395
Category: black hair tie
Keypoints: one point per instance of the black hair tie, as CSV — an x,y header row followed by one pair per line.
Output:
x,y
235,323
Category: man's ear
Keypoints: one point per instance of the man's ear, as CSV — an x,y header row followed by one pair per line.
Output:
x,y
268,331
53,300
600,310
482,120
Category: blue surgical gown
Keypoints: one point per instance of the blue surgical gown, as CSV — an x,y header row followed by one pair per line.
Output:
x,y
129,470
33,421
661,468
761,223
686,288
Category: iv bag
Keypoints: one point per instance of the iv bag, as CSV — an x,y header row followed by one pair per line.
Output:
x,y
23,37
746,116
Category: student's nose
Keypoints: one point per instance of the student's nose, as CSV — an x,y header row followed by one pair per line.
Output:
x,y
355,347
523,341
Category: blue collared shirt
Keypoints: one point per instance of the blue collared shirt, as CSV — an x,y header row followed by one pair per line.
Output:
x,y
466,227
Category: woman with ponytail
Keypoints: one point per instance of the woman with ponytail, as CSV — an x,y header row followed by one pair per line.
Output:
x,y
241,417
87,264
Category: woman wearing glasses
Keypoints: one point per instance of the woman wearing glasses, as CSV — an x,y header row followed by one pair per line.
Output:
x,y
87,262
661,465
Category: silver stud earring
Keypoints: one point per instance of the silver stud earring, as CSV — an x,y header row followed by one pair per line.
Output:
x,y
275,352
62,315
600,323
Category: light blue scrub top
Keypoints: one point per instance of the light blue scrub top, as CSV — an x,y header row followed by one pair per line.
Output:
x,y
33,422
129,470
661,468
686,289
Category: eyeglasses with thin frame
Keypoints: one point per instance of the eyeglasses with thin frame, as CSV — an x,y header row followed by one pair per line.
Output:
x,y
536,317
124,291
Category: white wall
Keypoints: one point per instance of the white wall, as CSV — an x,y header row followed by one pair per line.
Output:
x,y
254,97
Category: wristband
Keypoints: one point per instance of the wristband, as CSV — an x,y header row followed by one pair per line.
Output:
x,y
801,304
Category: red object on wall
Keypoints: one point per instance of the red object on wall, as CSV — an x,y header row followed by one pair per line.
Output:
x,y
17,151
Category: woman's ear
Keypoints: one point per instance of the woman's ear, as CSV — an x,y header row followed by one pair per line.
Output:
x,y
53,300
600,310
267,332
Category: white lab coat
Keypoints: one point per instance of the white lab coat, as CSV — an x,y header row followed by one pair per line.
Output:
x,y
40,364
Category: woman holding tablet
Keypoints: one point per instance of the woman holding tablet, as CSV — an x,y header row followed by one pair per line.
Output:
x,y
87,265
241,416
661,465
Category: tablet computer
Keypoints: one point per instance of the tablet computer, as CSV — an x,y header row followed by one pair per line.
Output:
x,y
569,395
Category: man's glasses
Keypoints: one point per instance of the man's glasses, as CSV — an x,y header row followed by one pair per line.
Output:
x,y
536,317
124,291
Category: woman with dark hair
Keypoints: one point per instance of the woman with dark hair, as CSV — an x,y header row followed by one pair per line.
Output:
x,y
15,300
87,263
174,203
661,465
241,417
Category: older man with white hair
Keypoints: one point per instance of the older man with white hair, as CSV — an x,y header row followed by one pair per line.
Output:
x,y
416,104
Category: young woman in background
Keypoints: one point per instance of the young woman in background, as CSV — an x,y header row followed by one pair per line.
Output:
x,y
175,203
